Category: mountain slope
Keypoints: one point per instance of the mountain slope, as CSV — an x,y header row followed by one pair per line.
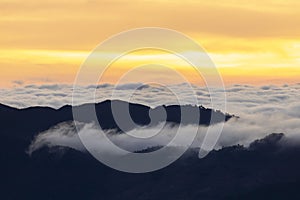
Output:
x,y
266,171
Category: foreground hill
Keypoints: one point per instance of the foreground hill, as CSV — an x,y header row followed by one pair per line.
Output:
x,y
267,169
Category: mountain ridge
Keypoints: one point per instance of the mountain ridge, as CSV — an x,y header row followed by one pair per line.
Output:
x,y
27,119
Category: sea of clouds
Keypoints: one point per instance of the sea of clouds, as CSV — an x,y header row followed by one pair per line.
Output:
x,y
262,110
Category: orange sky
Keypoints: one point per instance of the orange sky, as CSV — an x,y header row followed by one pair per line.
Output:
x,y
254,42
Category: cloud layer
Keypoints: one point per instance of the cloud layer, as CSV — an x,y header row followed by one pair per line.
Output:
x,y
262,110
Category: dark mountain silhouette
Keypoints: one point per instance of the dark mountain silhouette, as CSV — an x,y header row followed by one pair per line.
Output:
x,y
267,169
25,123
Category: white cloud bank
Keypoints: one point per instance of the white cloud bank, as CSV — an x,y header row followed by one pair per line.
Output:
x,y
262,110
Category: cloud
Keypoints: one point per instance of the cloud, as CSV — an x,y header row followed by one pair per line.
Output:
x,y
262,110
105,85
47,86
132,86
237,131
65,135
18,82
61,135
240,98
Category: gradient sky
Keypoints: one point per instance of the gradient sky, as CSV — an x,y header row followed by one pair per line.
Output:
x,y
253,42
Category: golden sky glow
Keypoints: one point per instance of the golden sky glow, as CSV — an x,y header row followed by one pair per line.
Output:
x,y
255,42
